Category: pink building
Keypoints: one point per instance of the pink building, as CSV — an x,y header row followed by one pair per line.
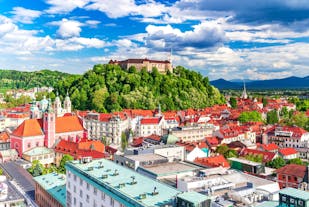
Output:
x,y
46,131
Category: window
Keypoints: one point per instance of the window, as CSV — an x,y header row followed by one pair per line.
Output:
x,y
300,202
37,144
80,181
69,185
87,198
74,189
103,196
112,202
80,204
29,145
81,193
283,198
95,191
88,186
74,201
74,177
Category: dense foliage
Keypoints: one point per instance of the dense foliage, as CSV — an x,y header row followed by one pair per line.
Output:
x,y
226,151
12,79
272,117
249,116
108,88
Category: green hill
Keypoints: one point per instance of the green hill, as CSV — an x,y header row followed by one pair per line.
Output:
x,y
12,79
108,88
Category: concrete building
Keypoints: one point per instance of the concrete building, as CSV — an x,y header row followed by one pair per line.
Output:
x,y
50,190
134,161
139,64
171,152
168,171
192,133
241,188
104,183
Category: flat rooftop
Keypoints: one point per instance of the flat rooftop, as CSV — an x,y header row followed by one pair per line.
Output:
x,y
116,181
169,168
55,185
145,157
295,193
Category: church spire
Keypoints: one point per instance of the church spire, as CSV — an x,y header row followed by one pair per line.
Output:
x,y
244,94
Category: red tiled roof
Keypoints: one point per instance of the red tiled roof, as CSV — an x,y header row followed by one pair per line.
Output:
x,y
83,148
293,169
137,142
154,137
68,124
287,151
4,137
29,127
152,120
267,156
213,161
269,147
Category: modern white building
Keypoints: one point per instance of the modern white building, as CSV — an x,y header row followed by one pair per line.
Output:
x,y
104,183
193,133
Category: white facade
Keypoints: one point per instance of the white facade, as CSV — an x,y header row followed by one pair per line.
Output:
x,y
193,133
111,128
83,194
195,153
146,129
171,153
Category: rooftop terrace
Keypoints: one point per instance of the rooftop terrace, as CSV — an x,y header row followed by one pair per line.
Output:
x,y
125,185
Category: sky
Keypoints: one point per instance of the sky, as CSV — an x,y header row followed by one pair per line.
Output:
x,y
230,39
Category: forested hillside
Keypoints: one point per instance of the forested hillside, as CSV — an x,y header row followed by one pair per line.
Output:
x,y
12,79
108,88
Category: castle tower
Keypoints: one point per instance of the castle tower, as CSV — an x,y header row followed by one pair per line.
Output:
x,y
49,126
57,106
67,104
244,94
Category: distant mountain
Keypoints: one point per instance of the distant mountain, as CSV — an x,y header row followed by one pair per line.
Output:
x,y
224,84
240,80
285,83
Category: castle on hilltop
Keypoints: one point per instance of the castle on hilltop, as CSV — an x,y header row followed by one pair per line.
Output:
x,y
162,66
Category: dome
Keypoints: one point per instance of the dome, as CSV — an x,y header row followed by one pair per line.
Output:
x,y
170,139
44,101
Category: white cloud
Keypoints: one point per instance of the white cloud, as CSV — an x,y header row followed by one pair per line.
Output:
x,y
121,8
69,28
64,6
25,16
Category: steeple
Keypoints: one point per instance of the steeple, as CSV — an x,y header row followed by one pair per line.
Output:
x,y
244,94
57,105
67,103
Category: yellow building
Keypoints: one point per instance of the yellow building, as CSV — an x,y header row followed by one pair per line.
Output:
x,y
162,66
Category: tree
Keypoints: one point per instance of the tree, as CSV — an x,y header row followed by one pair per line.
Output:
x,y
231,153
284,112
250,116
264,101
98,100
272,117
222,149
276,163
233,102
124,141
1,171
36,168
296,161
64,159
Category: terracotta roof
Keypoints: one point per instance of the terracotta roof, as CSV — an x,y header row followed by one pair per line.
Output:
x,y
267,156
152,120
287,151
4,137
137,141
83,148
293,169
215,161
269,147
29,127
68,124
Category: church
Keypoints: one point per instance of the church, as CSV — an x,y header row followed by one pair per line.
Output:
x,y
47,126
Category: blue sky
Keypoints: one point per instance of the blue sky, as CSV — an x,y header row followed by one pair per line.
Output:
x,y
231,39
